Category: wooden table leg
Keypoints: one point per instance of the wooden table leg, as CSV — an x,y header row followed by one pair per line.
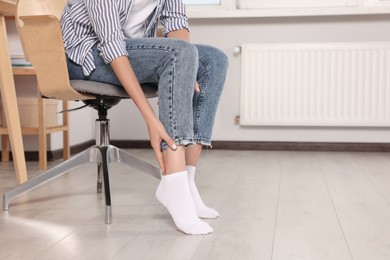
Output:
x,y
5,148
42,134
65,122
8,95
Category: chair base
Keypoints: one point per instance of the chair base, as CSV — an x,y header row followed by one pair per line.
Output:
x,y
102,155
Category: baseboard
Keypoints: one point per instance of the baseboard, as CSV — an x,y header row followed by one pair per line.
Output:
x,y
303,146
230,145
278,146
56,154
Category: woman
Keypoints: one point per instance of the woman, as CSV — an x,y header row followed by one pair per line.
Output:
x,y
113,41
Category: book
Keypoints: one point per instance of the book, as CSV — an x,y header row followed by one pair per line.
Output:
x,y
20,61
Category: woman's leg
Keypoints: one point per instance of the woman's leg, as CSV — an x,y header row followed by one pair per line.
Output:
x,y
176,87
173,64
192,154
211,77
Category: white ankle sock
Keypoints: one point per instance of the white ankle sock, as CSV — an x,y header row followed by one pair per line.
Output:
x,y
174,193
201,209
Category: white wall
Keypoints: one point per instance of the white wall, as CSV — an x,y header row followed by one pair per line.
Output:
x,y
228,33
127,124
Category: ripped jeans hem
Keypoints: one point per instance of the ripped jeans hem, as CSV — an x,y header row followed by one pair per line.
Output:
x,y
187,142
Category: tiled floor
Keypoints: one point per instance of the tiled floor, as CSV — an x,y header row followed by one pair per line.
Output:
x,y
273,205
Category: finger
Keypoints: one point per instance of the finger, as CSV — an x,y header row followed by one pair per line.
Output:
x,y
161,163
170,142
160,160
197,90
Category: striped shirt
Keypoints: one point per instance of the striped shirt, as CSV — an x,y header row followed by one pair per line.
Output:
x,y
87,22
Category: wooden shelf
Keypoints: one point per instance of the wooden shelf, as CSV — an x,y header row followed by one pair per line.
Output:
x,y
41,130
23,71
35,130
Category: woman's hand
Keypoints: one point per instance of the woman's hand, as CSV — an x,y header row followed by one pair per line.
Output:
x,y
157,133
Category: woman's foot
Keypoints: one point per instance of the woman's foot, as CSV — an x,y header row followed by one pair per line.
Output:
x,y
174,193
201,209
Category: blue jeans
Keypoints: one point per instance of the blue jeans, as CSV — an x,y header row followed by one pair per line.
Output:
x,y
175,66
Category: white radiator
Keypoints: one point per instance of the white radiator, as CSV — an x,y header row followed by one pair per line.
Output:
x,y
343,84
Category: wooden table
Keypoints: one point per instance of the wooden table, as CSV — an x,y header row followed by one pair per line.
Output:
x,y
42,130
8,95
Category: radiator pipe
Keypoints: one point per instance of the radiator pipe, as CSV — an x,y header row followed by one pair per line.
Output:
x,y
237,50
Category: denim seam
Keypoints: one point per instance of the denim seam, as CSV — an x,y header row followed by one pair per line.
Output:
x,y
203,141
180,141
201,96
172,103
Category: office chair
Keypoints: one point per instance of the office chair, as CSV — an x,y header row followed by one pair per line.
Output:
x,y
41,38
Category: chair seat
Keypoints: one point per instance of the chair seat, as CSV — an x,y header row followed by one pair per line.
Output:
x,y
103,89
